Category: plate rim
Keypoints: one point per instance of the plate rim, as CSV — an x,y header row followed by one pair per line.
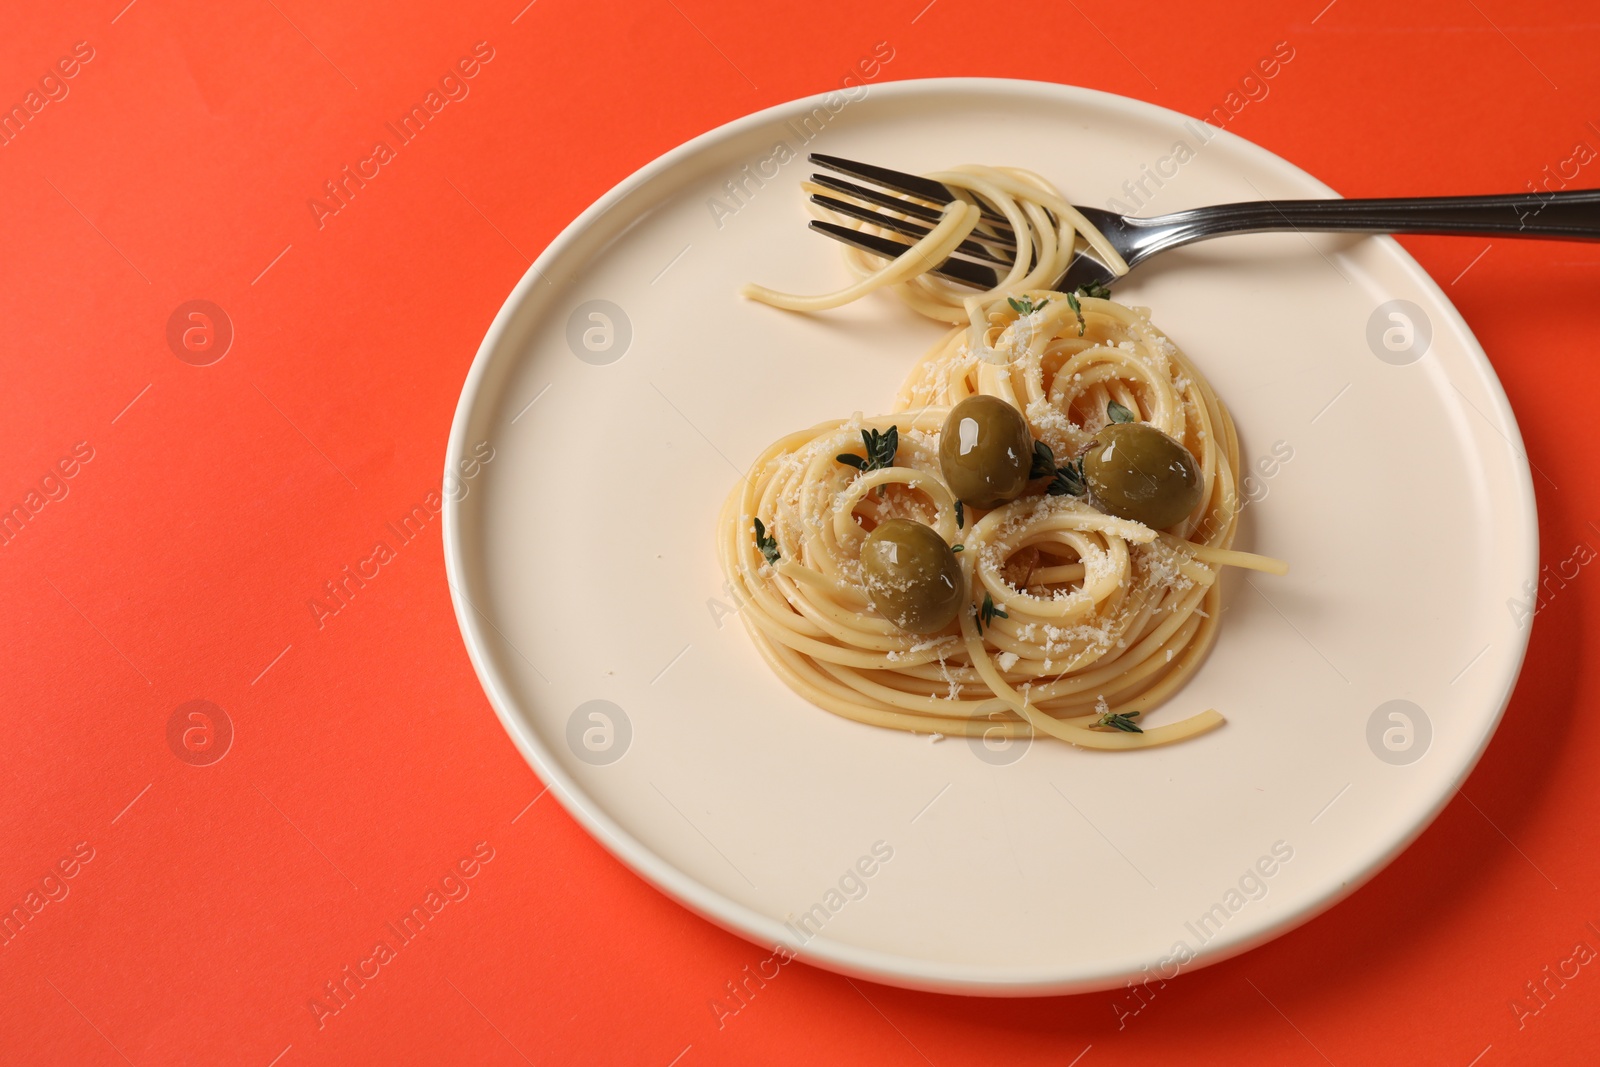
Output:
x,y
910,972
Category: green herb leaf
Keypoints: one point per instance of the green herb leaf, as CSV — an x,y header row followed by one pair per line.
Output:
x,y
1117,413
767,545
1065,480
1096,290
988,612
1026,306
958,548
961,516
1069,480
880,447
1044,461
1119,721
1077,309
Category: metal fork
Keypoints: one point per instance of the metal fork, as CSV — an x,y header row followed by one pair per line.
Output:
x,y
989,251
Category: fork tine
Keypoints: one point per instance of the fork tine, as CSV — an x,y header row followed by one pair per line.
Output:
x,y
962,271
998,235
913,208
901,226
910,184
900,181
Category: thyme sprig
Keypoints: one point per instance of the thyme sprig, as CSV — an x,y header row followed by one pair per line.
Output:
x,y
1069,480
1121,721
1065,480
880,448
1077,309
988,612
767,544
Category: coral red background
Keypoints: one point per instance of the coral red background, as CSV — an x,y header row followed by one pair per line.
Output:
x,y
365,761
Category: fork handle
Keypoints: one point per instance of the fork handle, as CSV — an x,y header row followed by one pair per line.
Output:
x,y
1569,214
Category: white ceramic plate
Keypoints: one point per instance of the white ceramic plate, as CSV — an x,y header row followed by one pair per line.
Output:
x,y
582,564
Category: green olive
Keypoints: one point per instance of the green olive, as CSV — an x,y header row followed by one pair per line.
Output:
x,y
1135,471
912,577
985,451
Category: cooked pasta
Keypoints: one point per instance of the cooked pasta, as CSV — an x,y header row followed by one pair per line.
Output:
x,y
1043,226
1074,621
